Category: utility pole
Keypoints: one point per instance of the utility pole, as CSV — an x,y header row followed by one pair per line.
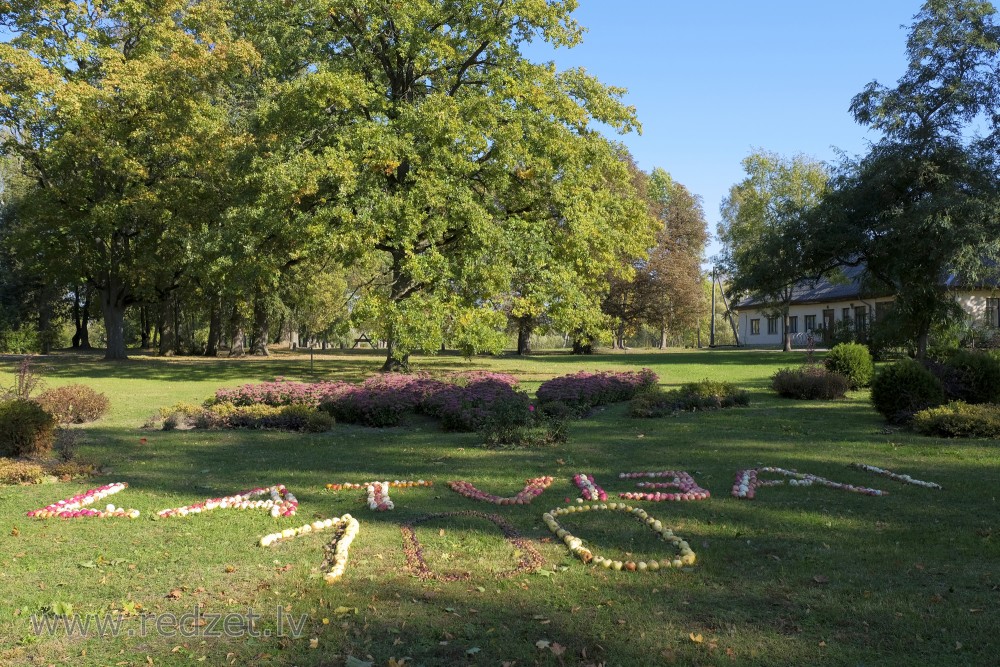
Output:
x,y
711,331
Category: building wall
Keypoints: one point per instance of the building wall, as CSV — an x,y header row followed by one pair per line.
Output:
x,y
801,311
975,303
981,306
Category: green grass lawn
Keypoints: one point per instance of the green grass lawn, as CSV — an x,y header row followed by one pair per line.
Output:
x,y
798,576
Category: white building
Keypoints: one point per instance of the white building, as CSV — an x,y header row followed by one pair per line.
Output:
x,y
822,306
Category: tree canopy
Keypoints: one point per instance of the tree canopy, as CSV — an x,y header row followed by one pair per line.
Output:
x,y
764,227
922,205
219,148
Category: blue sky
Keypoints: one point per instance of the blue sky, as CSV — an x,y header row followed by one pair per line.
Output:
x,y
713,79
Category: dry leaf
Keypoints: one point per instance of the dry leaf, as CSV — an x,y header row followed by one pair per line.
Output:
x,y
175,594
543,643
557,649
696,638
821,579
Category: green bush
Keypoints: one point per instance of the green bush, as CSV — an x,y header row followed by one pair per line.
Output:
x,y
809,383
978,374
25,429
904,388
853,361
704,395
20,472
74,404
507,422
318,422
712,394
959,420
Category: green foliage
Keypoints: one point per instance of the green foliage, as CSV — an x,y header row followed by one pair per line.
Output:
x,y
508,421
25,429
20,472
763,226
318,421
74,404
904,388
809,383
921,204
22,339
690,397
225,415
853,361
663,288
978,374
959,420
129,135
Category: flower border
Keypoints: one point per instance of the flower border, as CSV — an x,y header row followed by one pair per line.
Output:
x,y
679,480
74,507
397,484
290,533
747,482
589,488
575,544
530,560
905,479
281,503
532,489
378,497
338,549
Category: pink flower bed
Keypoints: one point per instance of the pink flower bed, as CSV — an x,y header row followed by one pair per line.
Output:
x,y
583,391
461,401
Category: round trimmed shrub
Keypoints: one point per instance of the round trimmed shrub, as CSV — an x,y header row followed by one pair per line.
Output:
x,y
25,429
979,376
853,361
809,383
905,388
74,403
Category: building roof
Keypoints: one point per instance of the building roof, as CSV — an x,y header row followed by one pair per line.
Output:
x,y
843,285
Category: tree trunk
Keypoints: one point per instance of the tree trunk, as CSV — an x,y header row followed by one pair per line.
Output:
x,y
392,364
524,329
787,346
44,324
583,346
168,332
663,336
214,330
83,328
145,328
261,327
236,326
77,319
113,310
923,338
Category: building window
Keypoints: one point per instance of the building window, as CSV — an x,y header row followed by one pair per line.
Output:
x,y
810,322
845,314
993,312
860,318
754,327
772,325
793,324
882,309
